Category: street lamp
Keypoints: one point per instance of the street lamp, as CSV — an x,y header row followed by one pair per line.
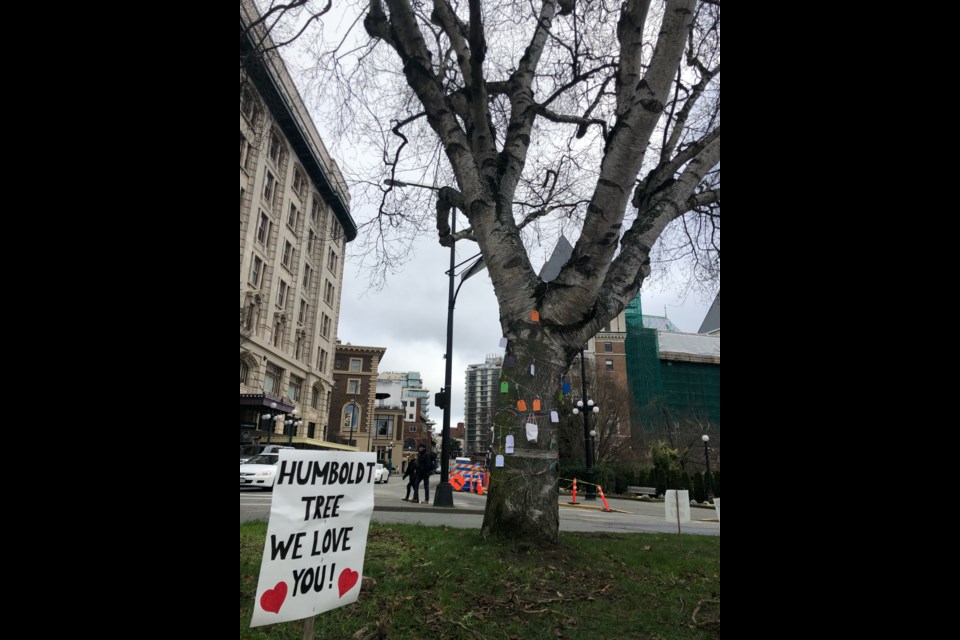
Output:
x,y
443,495
293,423
593,443
268,417
591,492
291,420
706,457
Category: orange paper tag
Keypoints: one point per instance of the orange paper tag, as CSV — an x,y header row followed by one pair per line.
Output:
x,y
522,405
536,404
534,316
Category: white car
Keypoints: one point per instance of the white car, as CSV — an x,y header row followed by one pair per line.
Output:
x,y
260,471
381,474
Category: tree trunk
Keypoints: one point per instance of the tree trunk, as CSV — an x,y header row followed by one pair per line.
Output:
x,y
523,499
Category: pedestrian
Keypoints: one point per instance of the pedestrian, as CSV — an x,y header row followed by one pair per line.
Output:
x,y
424,469
411,472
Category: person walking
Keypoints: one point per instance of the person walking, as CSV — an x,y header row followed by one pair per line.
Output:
x,y
424,469
411,472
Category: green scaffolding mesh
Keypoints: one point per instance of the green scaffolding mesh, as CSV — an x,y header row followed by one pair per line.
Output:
x,y
664,391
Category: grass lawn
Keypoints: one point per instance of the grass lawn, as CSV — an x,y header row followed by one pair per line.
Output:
x,y
439,583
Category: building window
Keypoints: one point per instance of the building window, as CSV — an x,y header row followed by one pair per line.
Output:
x,y
322,361
302,316
325,326
333,261
249,108
609,365
269,183
353,386
328,291
263,229
244,372
287,253
311,429
282,295
299,182
298,346
412,428
384,426
275,150
293,217
310,239
256,272
315,398
293,388
271,379
244,151
277,333
351,416
608,347
315,210
307,272
356,364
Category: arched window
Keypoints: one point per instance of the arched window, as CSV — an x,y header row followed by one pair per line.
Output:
x,y
244,372
351,416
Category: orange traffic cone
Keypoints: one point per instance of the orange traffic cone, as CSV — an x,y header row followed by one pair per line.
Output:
x,y
606,507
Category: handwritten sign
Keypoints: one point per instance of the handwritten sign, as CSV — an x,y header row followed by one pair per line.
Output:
x,y
317,535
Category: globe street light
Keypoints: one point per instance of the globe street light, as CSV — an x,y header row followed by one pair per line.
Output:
x,y
269,416
293,423
706,456
591,492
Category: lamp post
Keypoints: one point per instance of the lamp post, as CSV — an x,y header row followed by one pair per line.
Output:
x,y
290,420
591,492
443,495
293,423
270,415
706,457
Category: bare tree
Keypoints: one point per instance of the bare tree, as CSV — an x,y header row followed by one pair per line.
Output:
x,y
593,119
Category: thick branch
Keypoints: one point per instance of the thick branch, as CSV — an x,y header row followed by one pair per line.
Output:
x,y
630,34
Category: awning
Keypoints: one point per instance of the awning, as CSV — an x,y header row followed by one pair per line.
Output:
x,y
281,439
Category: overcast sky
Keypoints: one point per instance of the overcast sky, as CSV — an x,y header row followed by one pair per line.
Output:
x,y
409,318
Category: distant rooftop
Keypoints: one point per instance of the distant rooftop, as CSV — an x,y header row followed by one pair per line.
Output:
x,y
712,320
660,323
689,347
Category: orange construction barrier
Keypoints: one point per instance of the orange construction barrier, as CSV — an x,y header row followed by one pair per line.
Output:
x,y
457,481
606,507
574,492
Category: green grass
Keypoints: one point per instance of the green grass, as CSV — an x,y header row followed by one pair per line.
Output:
x,y
591,586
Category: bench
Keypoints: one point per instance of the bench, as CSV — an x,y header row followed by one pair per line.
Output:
x,y
650,491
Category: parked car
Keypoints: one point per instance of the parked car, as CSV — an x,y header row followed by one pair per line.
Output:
x,y
250,450
260,471
381,474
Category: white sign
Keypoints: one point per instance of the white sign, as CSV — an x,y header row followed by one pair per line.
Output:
x,y
317,535
499,463
509,445
677,502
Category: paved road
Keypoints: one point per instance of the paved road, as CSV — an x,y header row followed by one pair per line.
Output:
x,y
468,508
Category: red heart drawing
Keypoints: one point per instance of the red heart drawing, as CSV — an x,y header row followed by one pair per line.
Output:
x,y
272,599
348,578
